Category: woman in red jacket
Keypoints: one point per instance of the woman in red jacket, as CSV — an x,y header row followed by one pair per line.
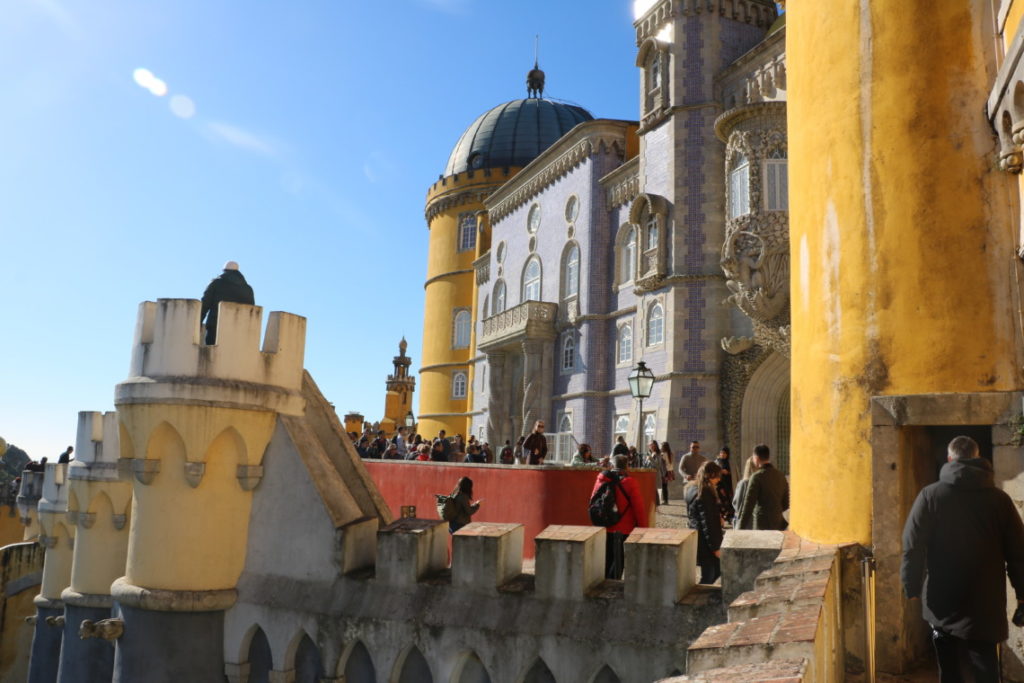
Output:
x,y
632,513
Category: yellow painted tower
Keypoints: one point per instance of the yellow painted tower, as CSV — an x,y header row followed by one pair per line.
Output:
x,y
490,152
400,388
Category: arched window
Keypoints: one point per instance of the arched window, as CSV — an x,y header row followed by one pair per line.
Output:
x,y
462,328
531,280
308,666
625,343
776,181
499,297
739,187
627,256
649,425
485,313
459,385
260,658
571,272
655,325
569,352
564,443
654,72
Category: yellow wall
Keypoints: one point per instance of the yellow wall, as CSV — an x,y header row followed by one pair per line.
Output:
x,y
191,538
451,290
11,529
901,263
57,565
101,550
1013,19
16,636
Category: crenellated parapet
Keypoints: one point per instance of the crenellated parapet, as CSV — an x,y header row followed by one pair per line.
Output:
x,y
29,493
170,364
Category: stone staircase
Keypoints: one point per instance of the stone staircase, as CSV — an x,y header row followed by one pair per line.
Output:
x,y
782,630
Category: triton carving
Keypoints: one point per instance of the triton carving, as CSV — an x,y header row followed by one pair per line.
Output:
x,y
106,629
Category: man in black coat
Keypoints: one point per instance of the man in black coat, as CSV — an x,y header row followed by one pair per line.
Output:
x,y
767,496
966,533
228,286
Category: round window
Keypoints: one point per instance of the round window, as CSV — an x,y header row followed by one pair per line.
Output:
x,y
533,219
572,209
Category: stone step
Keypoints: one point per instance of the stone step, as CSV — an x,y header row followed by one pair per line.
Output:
x,y
781,598
777,671
783,635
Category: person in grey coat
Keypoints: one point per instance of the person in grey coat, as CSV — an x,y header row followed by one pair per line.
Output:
x,y
749,468
767,496
965,533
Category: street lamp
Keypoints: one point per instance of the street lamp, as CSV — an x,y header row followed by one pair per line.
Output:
x,y
641,380
410,420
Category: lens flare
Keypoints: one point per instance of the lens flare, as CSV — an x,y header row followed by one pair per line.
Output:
x,y
182,106
145,78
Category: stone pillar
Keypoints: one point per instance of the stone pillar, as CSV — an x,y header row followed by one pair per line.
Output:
x,y
195,422
497,400
57,537
99,503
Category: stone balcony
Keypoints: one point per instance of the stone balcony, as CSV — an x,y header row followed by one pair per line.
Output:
x,y
482,266
527,321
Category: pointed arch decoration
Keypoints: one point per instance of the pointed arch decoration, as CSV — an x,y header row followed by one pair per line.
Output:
x,y
539,673
356,664
412,667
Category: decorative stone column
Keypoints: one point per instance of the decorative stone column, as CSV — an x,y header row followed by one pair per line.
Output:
x,y
99,503
497,399
57,537
195,422
537,381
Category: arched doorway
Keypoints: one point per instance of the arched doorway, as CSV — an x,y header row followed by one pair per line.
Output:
x,y
765,408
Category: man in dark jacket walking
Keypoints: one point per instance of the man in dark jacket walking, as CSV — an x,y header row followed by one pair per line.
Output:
x,y
228,286
767,496
967,535
536,445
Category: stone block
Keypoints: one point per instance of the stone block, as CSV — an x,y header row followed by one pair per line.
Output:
x,y
660,565
486,555
356,546
745,554
409,549
569,561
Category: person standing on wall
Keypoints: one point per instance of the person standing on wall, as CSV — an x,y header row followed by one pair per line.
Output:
x,y
657,463
229,286
536,445
620,446
767,496
966,534
630,506
705,516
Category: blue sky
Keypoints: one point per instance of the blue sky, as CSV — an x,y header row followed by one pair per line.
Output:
x,y
298,138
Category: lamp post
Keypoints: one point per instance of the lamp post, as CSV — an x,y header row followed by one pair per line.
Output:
x,y
641,380
410,420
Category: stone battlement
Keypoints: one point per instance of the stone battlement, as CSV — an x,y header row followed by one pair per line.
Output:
x,y
171,364
55,489
487,558
97,445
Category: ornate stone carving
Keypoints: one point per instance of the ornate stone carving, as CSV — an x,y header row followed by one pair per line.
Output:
x,y
57,621
86,519
755,254
527,320
194,472
119,521
106,629
249,476
145,470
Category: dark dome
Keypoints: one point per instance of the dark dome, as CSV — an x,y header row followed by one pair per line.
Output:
x,y
513,134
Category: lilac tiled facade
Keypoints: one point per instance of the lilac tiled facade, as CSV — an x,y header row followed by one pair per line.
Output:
x,y
679,178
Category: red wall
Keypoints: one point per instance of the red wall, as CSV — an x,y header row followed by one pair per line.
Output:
x,y
535,497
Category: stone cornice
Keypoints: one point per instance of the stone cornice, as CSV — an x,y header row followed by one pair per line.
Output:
x,y
470,195
448,274
728,121
563,156
623,184
653,19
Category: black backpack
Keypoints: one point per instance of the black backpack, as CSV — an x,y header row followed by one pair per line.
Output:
x,y
604,510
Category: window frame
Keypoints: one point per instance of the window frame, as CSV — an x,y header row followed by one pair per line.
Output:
x,y
463,329
467,226
739,187
456,384
499,295
649,319
616,419
775,169
627,256
626,327
571,280
568,346
539,280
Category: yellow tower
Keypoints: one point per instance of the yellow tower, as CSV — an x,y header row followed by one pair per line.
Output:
x,y
195,422
905,277
493,149
400,388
